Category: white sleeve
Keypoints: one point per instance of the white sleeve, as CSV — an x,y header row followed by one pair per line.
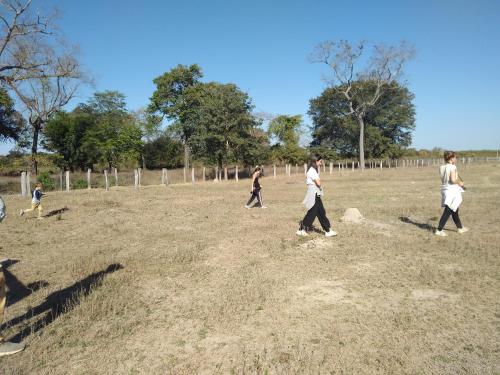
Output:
x,y
312,174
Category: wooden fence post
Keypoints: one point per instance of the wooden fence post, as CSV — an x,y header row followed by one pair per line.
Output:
x,y
139,172
331,167
204,169
236,174
225,173
67,180
23,184
116,177
274,170
184,172
353,166
106,179
192,175
89,171
136,179
61,180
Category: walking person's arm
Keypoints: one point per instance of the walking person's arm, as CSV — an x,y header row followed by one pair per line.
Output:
x,y
455,179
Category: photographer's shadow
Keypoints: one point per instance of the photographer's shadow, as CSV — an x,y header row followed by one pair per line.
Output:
x,y
57,303
16,289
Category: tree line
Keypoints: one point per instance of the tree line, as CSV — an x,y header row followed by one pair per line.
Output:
x,y
365,110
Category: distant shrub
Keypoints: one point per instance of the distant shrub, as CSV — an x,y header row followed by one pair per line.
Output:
x,y
47,181
79,184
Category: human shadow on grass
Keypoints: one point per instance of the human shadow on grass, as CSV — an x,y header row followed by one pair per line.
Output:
x,y
424,226
57,303
17,290
56,212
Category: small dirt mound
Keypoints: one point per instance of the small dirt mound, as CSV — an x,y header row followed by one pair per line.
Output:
x,y
352,215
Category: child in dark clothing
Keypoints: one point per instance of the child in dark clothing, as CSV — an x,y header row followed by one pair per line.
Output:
x,y
256,189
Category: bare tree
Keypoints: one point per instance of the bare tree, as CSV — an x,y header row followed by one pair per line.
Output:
x,y
384,66
42,97
23,41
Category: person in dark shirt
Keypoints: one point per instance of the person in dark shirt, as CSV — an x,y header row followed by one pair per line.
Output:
x,y
256,192
36,201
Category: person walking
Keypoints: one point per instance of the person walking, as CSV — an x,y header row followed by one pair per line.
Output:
x,y
313,201
256,192
452,188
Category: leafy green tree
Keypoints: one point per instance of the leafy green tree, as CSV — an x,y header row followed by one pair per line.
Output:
x,y
169,101
388,124
100,131
11,121
65,133
163,152
225,130
286,129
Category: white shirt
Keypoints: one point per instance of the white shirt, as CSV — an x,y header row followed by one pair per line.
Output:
x,y
445,173
311,175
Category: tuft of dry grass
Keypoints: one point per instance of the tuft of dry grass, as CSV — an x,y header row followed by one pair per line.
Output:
x,y
206,286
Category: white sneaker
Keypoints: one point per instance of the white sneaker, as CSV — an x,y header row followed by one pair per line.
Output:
x,y
463,230
21,213
440,233
247,207
263,207
330,233
301,232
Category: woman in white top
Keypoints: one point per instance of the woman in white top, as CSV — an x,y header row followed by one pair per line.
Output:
x,y
313,202
451,193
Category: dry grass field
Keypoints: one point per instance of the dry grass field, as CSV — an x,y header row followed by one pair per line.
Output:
x,y
185,280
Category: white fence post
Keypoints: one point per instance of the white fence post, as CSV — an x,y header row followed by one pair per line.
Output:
x,y
106,179
28,182
136,179
305,169
204,169
67,180
225,173
89,171
274,170
23,184
236,174
331,167
184,172
116,177
192,175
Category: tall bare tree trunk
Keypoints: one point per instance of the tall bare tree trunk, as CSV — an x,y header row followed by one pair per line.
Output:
x,y
186,156
34,148
361,124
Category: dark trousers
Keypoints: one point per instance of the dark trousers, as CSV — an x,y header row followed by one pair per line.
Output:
x,y
316,211
446,215
256,195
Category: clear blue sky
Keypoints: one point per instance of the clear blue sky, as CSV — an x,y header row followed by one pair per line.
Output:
x,y
262,46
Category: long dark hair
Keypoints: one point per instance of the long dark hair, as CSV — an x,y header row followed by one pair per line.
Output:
x,y
312,161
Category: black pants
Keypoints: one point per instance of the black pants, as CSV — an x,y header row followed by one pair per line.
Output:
x,y
446,215
256,195
319,211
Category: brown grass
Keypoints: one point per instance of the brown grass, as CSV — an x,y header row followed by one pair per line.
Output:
x,y
209,287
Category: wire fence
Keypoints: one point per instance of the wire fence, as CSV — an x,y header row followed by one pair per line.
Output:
x,y
107,179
